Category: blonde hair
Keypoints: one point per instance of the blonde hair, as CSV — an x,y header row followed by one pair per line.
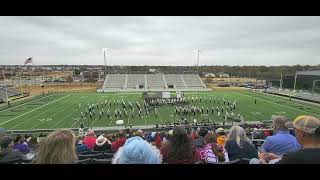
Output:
x,y
58,148
237,133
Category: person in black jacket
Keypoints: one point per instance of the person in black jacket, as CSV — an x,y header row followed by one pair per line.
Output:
x,y
238,145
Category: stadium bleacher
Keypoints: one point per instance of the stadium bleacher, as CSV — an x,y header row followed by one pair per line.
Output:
x,y
143,82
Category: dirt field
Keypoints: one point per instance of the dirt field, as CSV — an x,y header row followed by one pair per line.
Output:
x,y
66,87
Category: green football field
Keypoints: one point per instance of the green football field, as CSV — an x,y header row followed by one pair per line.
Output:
x,y
62,110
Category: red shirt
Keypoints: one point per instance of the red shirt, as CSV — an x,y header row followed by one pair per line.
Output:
x,y
118,143
90,142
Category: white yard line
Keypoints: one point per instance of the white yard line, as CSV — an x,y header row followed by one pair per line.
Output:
x,y
33,117
24,103
75,123
277,104
33,110
94,121
52,115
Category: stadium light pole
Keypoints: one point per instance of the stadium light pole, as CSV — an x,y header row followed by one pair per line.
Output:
x,y
105,62
314,83
198,52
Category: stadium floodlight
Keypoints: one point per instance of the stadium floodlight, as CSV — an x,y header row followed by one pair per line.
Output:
x,y
105,63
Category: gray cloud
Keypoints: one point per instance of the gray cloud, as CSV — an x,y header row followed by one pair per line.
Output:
x,y
161,40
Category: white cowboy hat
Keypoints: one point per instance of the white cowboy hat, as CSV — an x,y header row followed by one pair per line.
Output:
x,y
101,140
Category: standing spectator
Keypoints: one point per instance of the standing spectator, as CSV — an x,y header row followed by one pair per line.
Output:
x,y
213,152
221,139
20,145
102,143
282,142
119,142
179,150
307,130
58,148
137,151
238,145
90,139
7,152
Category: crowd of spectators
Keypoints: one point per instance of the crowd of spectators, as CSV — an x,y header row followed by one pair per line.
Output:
x,y
179,145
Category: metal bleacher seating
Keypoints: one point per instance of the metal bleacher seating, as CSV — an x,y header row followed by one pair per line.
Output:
x,y
135,80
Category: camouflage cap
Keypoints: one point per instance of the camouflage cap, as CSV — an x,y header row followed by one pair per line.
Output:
x,y
305,123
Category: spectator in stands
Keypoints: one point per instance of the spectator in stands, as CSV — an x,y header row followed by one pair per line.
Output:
x,y
3,132
137,151
102,144
199,142
20,145
90,139
282,142
139,133
307,130
58,148
213,152
179,150
238,145
7,152
80,147
119,142
221,139
157,140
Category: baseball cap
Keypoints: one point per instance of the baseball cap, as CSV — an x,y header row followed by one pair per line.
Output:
x,y
305,123
219,130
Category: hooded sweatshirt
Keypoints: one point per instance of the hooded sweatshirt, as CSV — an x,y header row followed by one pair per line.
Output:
x,y
137,151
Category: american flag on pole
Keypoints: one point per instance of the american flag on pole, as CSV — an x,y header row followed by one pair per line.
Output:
x,y
29,60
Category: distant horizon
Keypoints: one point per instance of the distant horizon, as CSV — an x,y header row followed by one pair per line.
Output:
x,y
149,65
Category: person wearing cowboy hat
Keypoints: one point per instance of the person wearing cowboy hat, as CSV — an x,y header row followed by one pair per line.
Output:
x,y
102,143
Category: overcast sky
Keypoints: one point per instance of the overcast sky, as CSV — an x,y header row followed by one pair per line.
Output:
x,y
165,40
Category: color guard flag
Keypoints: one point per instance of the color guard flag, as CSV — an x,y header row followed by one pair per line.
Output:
x,y
29,60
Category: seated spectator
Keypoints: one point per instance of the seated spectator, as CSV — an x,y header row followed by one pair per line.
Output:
x,y
199,142
157,140
221,139
213,152
179,150
58,148
119,142
3,132
307,130
80,147
90,139
20,145
102,144
238,145
282,142
137,151
7,152
139,133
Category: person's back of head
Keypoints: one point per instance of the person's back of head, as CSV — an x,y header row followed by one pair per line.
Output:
x,y
58,148
307,130
210,138
121,134
3,132
279,123
180,146
6,142
18,139
237,134
203,132
137,151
